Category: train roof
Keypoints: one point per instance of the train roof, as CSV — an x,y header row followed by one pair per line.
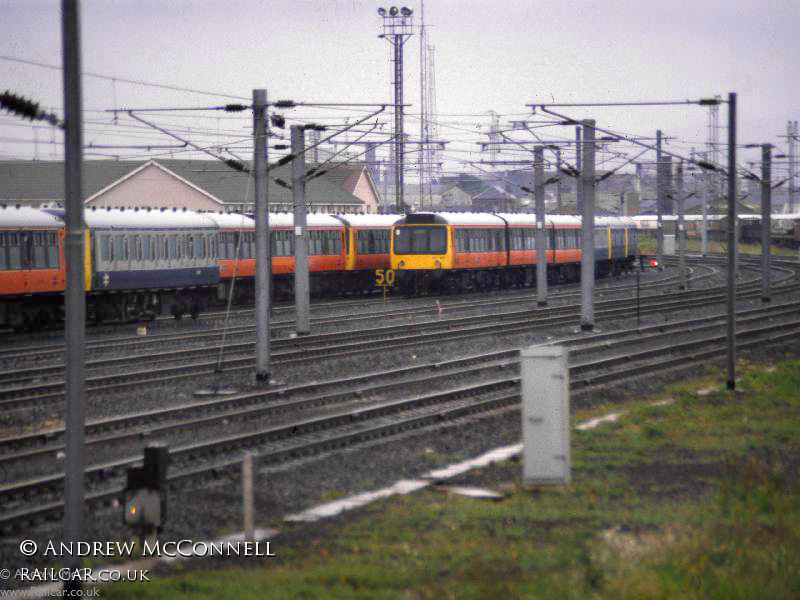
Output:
x,y
369,220
131,218
615,221
286,219
225,220
27,216
450,218
530,219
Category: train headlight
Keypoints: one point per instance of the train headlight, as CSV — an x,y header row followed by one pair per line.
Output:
x,y
437,264
401,264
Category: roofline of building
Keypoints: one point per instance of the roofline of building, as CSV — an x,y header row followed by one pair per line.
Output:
x,y
150,162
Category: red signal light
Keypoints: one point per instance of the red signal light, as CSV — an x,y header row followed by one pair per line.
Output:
x,y
653,263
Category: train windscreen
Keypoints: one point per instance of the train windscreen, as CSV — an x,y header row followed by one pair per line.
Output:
x,y
420,240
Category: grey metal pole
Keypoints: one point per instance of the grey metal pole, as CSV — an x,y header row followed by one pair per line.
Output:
x,y
587,227
541,230
659,202
262,237
75,297
579,166
706,193
766,225
681,233
422,116
558,177
301,287
731,383
791,135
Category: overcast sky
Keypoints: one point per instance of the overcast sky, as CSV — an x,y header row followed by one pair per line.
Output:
x,y
490,55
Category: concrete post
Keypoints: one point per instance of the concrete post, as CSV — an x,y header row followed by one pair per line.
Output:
x,y
660,192
766,209
680,195
541,229
75,296
731,383
587,227
558,177
707,191
301,282
248,501
578,165
262,237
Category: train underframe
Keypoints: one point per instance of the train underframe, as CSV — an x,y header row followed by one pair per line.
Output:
x,y
45,311
146,305
320,284
415,282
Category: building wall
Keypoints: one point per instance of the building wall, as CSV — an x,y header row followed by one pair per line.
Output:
x,y
153,187
456,197
363,191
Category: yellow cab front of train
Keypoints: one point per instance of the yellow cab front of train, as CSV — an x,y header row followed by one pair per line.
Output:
x,y
421,248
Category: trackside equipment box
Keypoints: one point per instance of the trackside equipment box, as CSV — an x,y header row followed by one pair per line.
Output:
x,y
545,415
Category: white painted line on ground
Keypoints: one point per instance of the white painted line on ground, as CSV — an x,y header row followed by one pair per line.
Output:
x,y
592,423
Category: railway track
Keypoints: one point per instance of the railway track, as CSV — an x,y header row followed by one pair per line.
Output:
x,y
106,374
283,327
602,359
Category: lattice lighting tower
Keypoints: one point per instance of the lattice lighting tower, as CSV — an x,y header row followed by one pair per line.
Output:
x,y
397,29
433,164
713,143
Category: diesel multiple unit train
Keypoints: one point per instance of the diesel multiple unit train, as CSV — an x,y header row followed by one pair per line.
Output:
x,y
456,251
143,262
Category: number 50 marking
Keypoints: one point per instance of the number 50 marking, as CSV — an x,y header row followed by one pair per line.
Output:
x,y
384,277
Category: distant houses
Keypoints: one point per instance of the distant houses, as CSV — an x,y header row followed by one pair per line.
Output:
x,y
194,184
212,185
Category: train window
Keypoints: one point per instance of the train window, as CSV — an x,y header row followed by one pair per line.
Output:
x,y
376,240
105,247
600,238
116,252
230,245
146,246
14,251
37,252
282,243
312,243
517,239
136,247
172,247
420,240
478,242
366,242
3,252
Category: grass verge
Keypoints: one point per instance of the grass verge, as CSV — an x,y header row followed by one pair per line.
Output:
x,y
690,494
